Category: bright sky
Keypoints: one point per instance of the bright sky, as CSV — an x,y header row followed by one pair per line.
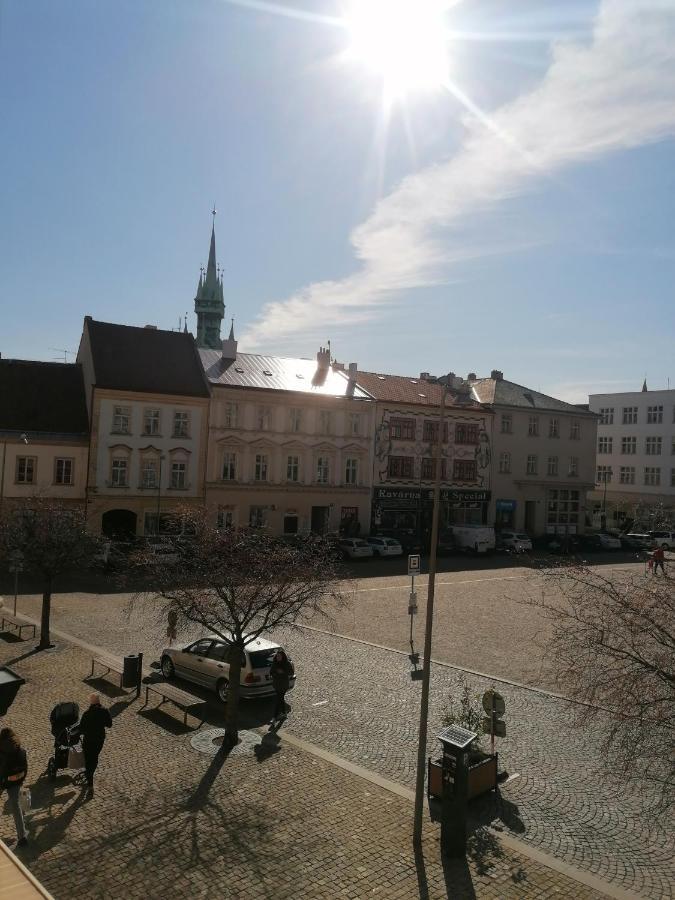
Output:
x,y
517,216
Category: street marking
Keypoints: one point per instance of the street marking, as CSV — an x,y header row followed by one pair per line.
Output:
x,y
320,703
401,587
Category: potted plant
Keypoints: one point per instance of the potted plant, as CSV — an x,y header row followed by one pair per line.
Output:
x,y
469,714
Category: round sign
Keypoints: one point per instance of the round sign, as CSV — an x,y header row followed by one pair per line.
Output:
x,y
493,701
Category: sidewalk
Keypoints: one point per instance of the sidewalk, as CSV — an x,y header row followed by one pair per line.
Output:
x,y
170,821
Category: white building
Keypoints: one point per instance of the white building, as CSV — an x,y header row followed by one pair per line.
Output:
x,y
635,466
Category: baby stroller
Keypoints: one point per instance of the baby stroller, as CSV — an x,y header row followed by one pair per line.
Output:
x,y
64,720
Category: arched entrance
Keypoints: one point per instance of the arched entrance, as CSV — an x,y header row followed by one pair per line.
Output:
x,y
119,524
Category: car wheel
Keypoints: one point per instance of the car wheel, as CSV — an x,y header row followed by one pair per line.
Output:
x,y
665,547
168,670
221,689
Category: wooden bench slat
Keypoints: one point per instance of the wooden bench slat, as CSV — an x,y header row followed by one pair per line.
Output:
x,y
174,695
15,623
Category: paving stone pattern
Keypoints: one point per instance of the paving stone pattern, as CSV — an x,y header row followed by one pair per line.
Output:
x,y
560,804
168,821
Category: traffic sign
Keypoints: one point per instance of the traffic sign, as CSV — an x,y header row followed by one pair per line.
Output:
x,y
497,728
493,704
414,564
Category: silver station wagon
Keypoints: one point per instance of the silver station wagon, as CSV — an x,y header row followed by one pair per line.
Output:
x,y
205,662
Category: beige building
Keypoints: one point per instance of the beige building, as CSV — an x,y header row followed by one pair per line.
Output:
x,y
148,405
43,432
289,443
543,458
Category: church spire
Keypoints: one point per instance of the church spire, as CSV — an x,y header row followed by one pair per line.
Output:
x,y
209,302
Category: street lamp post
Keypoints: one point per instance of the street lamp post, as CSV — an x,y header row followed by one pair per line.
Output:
x,y
426,664
603,517
159,491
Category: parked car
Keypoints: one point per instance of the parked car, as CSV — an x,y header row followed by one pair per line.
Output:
x,y
205,662
354,548
408,538
600,541
515,540
479,538
385,546
635,541
665,539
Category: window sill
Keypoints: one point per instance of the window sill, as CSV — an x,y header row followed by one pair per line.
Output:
x,y
180,437
63,484
174,487
151,434
121,433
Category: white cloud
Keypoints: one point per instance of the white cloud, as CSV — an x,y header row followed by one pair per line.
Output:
x,y
617,92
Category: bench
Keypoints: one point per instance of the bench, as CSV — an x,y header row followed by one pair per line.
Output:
x,y
12,623
179,698
109,663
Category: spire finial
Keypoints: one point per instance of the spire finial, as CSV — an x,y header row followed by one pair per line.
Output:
x,y
231,337
213,213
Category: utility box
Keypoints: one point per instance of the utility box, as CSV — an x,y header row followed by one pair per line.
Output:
x,y
131,673
10,683
455,742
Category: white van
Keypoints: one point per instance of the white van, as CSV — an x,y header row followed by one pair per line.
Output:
x,y
479,538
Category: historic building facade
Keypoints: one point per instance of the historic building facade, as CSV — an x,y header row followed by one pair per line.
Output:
x,y
289,443
406,429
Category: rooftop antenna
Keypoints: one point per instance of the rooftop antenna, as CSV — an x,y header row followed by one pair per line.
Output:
x,y
185,325
65,354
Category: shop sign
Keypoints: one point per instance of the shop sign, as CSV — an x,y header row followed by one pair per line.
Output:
x,y
505,505
409,496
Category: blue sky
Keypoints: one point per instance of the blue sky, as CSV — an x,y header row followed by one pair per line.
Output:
x,y
532,232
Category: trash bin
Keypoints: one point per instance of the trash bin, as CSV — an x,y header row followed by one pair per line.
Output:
x,y
10,683
131,673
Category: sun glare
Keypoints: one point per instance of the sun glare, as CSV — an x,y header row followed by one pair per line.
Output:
x,y
403,41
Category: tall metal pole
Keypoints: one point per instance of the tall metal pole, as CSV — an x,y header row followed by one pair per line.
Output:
x,y
426,663
159,492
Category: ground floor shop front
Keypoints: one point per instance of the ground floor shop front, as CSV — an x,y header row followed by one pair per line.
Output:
x,y
408,510
542,509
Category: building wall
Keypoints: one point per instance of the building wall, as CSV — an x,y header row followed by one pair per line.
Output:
x,y
520,499
44,453
251,437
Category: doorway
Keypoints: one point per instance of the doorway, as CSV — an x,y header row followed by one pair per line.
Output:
x,y
320,516
530,516
119,524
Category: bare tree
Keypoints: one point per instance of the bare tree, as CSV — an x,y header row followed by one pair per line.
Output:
x,y
238,585
52,540
612,649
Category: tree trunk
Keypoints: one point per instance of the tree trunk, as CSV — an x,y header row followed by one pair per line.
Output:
x,y
232,711
46,612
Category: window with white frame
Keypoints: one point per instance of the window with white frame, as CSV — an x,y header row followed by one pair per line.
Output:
x,y
552,465
627,475
351,470
119,470
322,469
507,423
653,446
629,445
575,430
630,415
292,468
652,476
229,466
604,475
230,415
63,470
225,517
26,467
533,426
553,427
325,421
606,415
264,418
562,507
151,421
654,415
295,420
261,464
464,470
178,476
257,516
531,467
149,473
354,423
121,423
573,468
401,466
181,423
505,462
605,444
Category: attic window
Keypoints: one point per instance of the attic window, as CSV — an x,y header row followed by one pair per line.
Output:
x,y
298,375
421,395
267,372
412,381
381,377
238,369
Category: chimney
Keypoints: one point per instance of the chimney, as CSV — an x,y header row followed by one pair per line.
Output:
x,y
352,371
424,376
497,375
151,327
323,358
338,366
471,376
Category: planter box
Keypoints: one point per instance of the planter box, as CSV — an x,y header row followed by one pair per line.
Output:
x,y
482,776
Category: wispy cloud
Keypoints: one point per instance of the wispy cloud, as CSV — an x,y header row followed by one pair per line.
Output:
x,y
616,92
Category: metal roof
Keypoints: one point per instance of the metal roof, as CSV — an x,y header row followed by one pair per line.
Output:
x,y
279,373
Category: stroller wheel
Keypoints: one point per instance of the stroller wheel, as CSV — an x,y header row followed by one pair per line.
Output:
x,y
51,769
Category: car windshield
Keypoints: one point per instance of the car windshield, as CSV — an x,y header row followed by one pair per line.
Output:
x,y
523,537
262,659
360,543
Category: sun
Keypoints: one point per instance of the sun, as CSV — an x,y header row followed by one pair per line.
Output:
x,y
403,41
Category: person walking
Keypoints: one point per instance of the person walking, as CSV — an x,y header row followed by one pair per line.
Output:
x,y
658,556
281,672
13,771
93,724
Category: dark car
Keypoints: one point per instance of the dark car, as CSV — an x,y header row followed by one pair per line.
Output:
x,y
636,541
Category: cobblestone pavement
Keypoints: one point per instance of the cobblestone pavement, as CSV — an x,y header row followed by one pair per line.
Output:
x,y
360,703
167,821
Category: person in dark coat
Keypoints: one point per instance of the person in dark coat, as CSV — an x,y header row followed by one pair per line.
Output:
x,y
13,771
281,672
93,724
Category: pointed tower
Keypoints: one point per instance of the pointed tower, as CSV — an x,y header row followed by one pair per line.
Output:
x,y
209,303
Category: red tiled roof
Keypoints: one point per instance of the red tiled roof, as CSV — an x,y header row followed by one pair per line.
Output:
x,y
404,389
